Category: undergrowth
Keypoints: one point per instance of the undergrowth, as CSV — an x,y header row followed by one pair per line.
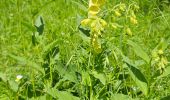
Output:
x,y
84,50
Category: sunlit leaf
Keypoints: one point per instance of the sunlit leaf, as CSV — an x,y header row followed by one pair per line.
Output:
x,y
163,44
61,95
99,76
86,80
66,73
39,24
64,95
139,51
166,72
80,5
13,85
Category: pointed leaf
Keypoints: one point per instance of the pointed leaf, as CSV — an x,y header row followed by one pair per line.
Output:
x,y
52,92
39,24
99,76
66,73
163,44
61,95
139,51
29,26
24,61
86,80
138,77
49,48
166,72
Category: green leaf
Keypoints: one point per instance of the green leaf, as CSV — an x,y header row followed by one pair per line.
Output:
x,y
64,95
85,31
139,51
66,73
39,24
3,77
24,61
71,76
61,95
38,98
51,49
166,72
165,98
163,44
80,5
52,92
30,27
138,77
120,97
99,76
86,80
13,85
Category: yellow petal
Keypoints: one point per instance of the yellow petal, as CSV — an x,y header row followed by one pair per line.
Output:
x,y
86,22
133,20
117,13
103,22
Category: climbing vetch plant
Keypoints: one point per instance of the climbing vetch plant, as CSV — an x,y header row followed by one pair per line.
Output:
x,y
95,23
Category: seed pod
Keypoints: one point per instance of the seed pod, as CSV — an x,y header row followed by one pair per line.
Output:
x,y
114,26
117,13
103,22
164,60
129,32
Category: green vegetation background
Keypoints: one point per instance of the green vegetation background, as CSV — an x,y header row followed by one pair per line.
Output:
x,y
59,64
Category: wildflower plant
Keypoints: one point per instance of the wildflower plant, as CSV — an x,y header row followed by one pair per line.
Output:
x,y
124,55
95,23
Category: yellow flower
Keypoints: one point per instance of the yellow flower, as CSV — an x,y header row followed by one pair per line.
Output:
x,y
164,60
157,59
129,32
122,7
114,26
160,52
103,22
92,13
86,22
133,20
98,2
117,13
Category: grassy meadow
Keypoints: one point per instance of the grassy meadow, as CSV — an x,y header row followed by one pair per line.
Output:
x,y
84,49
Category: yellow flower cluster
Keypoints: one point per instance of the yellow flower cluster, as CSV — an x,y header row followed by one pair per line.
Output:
x,y
94,8
118,11
133,19
159,59
95,23
122,10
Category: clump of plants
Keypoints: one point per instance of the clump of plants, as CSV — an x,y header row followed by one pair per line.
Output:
x,y
108,54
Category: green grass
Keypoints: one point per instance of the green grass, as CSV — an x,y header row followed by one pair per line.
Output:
x,y
61,62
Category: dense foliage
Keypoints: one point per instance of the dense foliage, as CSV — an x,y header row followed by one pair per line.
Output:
x,y
84,49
